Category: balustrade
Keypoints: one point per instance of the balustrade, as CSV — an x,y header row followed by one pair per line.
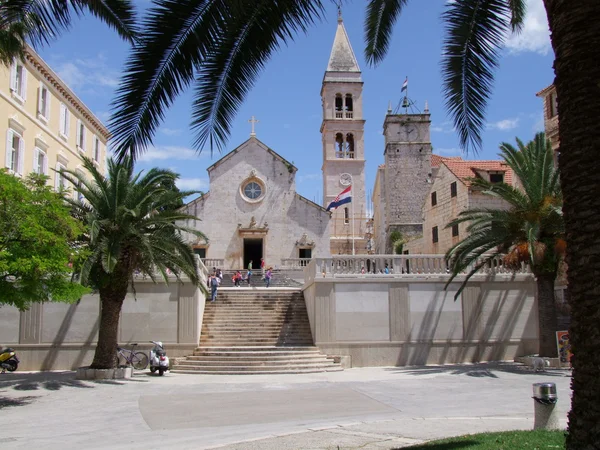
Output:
x,y
399,265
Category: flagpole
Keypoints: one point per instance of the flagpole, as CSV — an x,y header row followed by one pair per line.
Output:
x,y
352,201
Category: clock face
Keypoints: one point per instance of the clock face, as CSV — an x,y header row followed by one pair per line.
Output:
x,y
345,179
410,133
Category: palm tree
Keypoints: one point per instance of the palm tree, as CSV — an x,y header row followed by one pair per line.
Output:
x,y
40,21
220,46
129,231
530,231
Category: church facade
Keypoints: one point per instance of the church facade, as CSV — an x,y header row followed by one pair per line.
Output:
x,y
253,211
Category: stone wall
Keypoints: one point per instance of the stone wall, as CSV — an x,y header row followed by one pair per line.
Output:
x,y
398,320
59,336
407,171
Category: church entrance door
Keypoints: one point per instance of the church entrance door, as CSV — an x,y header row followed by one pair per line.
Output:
x,y
253,251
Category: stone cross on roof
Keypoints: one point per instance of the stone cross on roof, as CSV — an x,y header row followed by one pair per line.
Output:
x,y
253,121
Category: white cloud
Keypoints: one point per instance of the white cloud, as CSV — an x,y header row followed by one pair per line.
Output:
x,y
170,131
192,184
444,127
535,36
504,125
90,73
168,153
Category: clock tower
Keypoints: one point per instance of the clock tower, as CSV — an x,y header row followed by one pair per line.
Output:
x,y
408,175
342,132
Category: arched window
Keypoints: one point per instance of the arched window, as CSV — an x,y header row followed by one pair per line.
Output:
x,y
346,216
350,146
349,104
339,145
339,106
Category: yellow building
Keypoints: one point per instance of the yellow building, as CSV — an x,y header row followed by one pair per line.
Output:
x,y
46,127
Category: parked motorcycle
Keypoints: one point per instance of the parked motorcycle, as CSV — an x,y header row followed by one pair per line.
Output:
x,y
158,358
8,360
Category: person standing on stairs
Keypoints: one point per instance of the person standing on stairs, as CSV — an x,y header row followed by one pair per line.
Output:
x,y
262,267
249,274
268,275
213,283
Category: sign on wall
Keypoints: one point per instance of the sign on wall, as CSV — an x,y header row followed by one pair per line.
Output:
x,y
564,347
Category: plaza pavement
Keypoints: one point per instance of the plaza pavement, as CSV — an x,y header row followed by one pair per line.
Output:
x,y
366,408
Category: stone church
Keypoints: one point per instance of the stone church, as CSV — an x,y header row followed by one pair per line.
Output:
x,y
253,211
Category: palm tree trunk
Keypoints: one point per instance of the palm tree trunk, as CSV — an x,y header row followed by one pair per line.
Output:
x,y
546,315
111,300
576,40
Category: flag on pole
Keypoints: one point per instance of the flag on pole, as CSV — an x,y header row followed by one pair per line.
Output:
x,y
404,85
344,197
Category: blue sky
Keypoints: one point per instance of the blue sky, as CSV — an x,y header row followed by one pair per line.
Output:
x,y
286,98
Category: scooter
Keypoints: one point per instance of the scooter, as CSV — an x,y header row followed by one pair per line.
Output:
x,y
158,358
8,360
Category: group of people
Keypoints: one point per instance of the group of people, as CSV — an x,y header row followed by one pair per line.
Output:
x,y
214,280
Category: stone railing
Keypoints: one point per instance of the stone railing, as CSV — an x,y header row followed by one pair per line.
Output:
x,y
399,265
310,272
294,263
213,262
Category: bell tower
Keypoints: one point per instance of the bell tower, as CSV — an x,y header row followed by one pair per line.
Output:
x,y
342,135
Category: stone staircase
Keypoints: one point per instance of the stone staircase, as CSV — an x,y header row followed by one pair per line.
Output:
x,y
256,331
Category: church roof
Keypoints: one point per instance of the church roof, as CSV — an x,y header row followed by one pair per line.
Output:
x,y
310,202
288,164
464,170
342,57
436,160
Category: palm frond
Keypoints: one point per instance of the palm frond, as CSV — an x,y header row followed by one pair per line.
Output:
x,y
254,31
518,10
42,21
379,23
475,32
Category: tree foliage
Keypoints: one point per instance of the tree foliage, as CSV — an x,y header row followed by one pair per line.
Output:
x,y
36,233
530,231
131,229
40,21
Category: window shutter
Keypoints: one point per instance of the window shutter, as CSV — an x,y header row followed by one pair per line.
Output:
x,y
47,112
62,118
36,152
68,122
9,136
45,164
40,107
23,92
13,76
78,133
57,177
21,159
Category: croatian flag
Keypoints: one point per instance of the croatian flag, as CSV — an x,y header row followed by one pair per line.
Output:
x,y
344,197
404,85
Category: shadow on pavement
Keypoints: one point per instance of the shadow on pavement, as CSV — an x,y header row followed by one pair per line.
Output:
x,y
479,370
6,402
53,381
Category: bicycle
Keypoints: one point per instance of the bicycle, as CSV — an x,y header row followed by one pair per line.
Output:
x,y
139,360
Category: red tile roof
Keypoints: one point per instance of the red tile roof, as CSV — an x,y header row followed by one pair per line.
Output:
x,y
436,160
464,170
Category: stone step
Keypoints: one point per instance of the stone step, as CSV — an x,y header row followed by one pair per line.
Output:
x,y
236,356
291,362
229,368
256,350
258,372
246,342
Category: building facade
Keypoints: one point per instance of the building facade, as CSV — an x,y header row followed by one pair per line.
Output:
x,y
449,194
548,95
253,211
45,125
342,131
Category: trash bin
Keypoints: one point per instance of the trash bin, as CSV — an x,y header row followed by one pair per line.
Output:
x,y
545,393
545,412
